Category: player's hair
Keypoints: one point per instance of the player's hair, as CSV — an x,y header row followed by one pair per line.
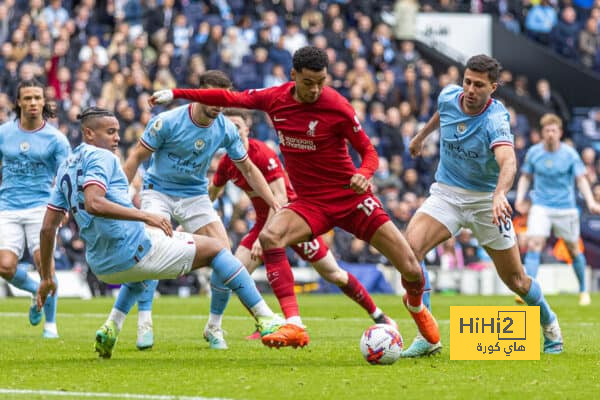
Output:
x,y
549,119
310,57
214,78
48,111
87,116
483,63
236,112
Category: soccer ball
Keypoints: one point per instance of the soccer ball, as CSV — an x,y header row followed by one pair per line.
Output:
x,y
381,344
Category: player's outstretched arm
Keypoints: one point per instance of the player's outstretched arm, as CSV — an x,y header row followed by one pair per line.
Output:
x,y
257,181
416,144
52,220
584,187
507,161
254,99
214,192
521,205
138,155
98,205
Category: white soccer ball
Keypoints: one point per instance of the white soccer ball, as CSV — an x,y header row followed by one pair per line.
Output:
x,y
381,344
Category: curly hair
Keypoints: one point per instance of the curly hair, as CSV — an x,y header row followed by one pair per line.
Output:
x,y
310,57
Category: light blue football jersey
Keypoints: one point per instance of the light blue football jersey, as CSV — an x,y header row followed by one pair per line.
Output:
x,y
554,175
29,163
183,151
111,245
466,142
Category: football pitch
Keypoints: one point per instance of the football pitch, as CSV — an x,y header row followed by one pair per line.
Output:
x,y
180,366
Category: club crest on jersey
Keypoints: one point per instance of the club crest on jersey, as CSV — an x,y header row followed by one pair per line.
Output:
x,y
24,146
461,128
156,127
199,145
312,125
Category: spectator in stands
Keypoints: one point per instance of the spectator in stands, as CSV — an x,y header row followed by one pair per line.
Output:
x,y
551,99
55,16
408,54
293,38
564,34
588,156
540,21
236,44
591,125
589,42
405,12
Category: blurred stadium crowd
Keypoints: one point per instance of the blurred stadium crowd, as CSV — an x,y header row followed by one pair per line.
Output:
x,y
114,53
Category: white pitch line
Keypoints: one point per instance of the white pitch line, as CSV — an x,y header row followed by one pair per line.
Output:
x,y
60,393
241,317
188,317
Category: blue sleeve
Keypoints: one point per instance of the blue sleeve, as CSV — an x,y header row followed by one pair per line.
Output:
x,y
155,133
57,201
233,143
527,166
99,169
578,166
499,129
62,149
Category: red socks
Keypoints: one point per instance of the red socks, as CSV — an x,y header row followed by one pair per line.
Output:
x,y
281,279
357,292
414,290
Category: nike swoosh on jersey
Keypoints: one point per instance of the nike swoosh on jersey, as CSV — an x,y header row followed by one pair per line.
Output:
x,y
279,119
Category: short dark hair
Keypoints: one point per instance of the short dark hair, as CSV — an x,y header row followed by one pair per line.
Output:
x,y
483,63
236,112
310,57
214,78
88,116
48,111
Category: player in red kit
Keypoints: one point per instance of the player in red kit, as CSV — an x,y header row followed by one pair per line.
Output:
x,y
314,252
313,123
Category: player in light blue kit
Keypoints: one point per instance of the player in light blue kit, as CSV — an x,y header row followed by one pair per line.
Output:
x,y
476,169
554,167
30,152
92,185
180,144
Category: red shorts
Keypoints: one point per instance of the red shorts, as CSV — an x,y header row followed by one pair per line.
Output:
x,y
359,214
310,251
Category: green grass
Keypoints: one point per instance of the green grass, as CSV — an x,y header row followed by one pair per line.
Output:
x,y
331,367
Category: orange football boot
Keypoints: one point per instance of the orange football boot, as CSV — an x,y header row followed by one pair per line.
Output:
x,y
425,322
287,335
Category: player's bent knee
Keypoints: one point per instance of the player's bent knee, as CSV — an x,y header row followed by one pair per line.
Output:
x,y
7,269
207,248
269,239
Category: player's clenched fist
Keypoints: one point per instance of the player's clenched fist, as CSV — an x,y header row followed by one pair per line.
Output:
x,y
359,183
161,97
415,146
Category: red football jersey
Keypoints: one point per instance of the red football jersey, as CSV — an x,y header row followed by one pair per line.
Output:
x,y
312,137
267,162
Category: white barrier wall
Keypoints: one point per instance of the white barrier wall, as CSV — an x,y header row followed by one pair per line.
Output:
x,y
70,284
458,36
